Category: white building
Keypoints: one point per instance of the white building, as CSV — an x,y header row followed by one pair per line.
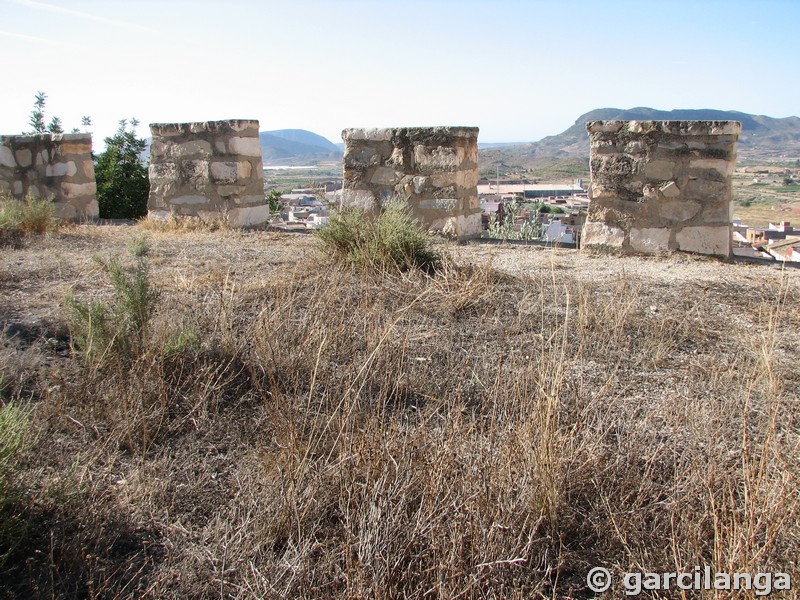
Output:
x,y
558,232
531,190
316,221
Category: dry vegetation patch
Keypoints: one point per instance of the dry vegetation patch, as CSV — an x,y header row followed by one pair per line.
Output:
x,y
292,429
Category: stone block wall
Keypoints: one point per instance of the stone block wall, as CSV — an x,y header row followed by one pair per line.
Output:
x,y
57,166
433,169
208,170
660,186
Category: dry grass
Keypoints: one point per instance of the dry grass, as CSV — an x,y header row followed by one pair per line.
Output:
x,y
19,219
185,224
475,434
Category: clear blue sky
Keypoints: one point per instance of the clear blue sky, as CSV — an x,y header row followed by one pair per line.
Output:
x,y
520,70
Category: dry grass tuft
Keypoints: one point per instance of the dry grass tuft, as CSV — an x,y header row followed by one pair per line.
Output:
x,y
388,241
23,218
335,434
185,224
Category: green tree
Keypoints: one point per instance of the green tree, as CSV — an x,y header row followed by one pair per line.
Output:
x,y
86,122
37,118
274,201
122,182
55,126
37,114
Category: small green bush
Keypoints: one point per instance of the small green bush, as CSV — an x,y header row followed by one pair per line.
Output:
x,y
14,422
273,199
184,339
506,228
139,246
391,240
101,333
29,217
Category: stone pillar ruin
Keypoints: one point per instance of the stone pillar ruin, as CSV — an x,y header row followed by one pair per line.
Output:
x,y
660,186
57,166
433,169
210,170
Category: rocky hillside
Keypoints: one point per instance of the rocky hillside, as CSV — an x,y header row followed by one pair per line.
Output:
x,y
762,137
288,146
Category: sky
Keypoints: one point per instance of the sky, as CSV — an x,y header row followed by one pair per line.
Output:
x,y
518,69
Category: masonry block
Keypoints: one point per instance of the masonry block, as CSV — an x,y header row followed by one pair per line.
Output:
x,y
660,186
54,166
210,169
432,169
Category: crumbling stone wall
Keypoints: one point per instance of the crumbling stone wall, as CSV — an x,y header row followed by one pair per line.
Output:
x,y
433,169
661,186
209,170
57,166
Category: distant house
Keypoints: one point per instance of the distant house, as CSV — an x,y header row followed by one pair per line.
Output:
x,y
574,219
783,250
488,206
740,233
295,216
775,231
316,221
300,198
563,228
784,227
331,185
557,232
531,191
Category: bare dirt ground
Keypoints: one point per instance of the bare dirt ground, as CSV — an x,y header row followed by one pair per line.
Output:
x,y
35,279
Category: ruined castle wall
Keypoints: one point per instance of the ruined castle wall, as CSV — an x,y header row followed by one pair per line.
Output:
x,y
433,169
660,186
57,166
210,170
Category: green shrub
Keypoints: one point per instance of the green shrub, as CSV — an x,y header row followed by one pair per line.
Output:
x,y
101,333
184,339
29,217
139,245
390,240
14,438
91,328
274,201
506,228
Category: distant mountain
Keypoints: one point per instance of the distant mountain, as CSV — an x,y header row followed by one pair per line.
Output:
x,y
761,137
287,146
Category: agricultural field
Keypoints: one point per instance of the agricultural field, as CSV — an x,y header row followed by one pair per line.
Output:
x,y
296,177
768,193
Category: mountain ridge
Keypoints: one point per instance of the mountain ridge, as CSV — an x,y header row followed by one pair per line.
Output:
x,y
290,145
761,137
